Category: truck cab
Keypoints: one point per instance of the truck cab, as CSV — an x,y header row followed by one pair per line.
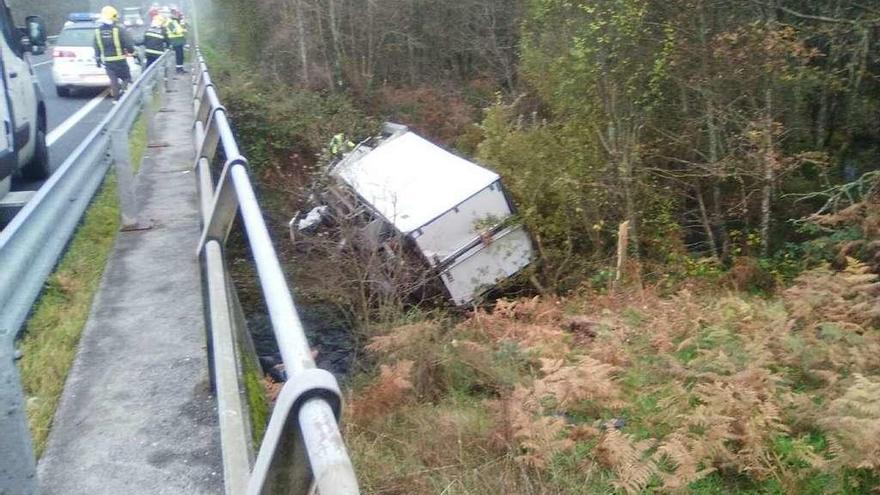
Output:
x,y
22,108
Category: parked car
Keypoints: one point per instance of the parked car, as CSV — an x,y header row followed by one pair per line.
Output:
x,y
22,109
74,64
131,16
134,23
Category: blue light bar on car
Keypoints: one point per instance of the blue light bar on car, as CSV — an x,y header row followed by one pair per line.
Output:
x,y
83,17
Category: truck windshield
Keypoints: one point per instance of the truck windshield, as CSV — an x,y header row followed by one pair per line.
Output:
x,y
77,37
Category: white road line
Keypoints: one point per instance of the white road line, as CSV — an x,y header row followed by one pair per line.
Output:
x,y
42,63
74,119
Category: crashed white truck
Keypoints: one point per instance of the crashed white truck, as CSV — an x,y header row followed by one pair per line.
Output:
x,y
453,213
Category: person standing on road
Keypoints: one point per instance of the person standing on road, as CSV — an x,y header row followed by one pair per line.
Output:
x,y
155,39
111,46
177,38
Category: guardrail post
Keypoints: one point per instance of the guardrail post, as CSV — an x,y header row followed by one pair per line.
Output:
x,y
18,473
166,84
149,112
231,408
125,180
165,77
162,86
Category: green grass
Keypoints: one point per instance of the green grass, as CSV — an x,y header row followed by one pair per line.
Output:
x,y
258,403
53,332
137,143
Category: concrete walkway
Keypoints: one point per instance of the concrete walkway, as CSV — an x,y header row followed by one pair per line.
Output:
x,y
137,416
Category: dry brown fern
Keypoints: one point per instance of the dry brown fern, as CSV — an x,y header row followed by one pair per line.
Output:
x,y
541,310
542,438
834,326
732,427
587,379
521,425
849,298
687,465
537,434
390,389
631,460
545,339
854,421
401,338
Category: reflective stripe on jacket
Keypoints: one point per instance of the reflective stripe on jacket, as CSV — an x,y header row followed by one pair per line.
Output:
x,y
108,40
155,40
176,31
339,144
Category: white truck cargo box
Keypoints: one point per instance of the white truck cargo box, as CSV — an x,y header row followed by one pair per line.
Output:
x,y
455,211
484,266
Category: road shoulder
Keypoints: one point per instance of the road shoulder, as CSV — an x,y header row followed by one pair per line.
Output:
x,y
137,416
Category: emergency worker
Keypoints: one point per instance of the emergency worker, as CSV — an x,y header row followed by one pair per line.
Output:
x,y
155,39
112,43
177,38
340,145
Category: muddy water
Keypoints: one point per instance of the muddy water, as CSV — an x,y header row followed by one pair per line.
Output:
x,y
326,330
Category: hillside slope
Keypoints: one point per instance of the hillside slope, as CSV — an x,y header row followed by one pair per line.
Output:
x,y
703,391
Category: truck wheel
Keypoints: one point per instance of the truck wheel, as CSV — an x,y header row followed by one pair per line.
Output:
x,y
39,167
63,91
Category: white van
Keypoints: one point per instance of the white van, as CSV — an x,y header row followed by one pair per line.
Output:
x,y
23,137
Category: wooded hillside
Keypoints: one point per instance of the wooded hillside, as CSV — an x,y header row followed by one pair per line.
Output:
x,y
740,144
711,126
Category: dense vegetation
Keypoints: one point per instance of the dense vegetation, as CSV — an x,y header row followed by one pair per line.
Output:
x,y
585,395
739,141
710,125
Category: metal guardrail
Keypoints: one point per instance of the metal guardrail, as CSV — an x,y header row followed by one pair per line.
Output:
x,y
34,241
302,448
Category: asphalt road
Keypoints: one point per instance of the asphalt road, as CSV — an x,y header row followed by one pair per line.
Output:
x,y
68,125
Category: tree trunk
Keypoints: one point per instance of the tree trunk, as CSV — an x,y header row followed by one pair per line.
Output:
x,y
769,154
336,64
769,173
622,250
411,58
629,196
301,41
717,218
620,142
367,69
321,40
707,225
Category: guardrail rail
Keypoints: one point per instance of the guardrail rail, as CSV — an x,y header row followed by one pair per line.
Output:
x,y
302,449
34,241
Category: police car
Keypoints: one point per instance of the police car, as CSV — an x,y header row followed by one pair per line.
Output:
x,y
73,60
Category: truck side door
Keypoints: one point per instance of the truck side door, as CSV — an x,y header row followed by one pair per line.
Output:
x,y
19,84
